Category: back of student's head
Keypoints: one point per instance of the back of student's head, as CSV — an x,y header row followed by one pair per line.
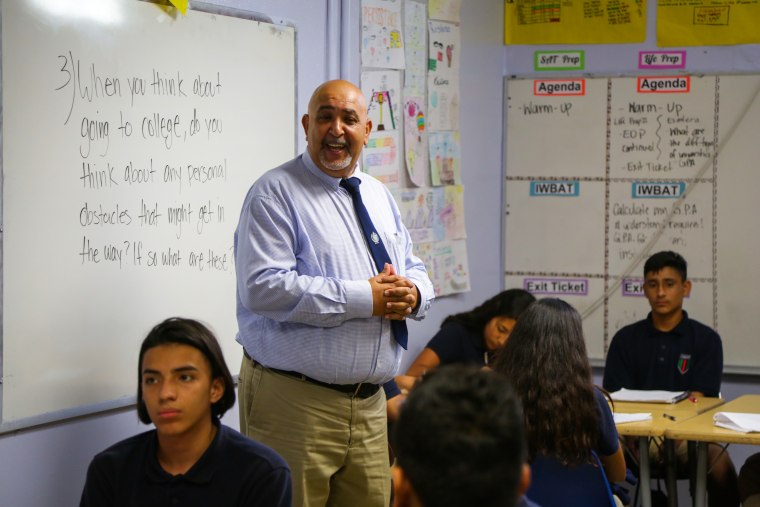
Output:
x,y
509,303
545,360
459,439
194,334
665,259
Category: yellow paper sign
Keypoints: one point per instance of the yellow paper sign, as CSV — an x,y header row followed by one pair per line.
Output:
x,y
707,23
574,21
181,5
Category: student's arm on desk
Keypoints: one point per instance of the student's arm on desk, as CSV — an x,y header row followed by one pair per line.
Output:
x,y
426,361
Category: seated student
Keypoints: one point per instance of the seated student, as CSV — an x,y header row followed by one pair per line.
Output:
x,y
670,351
566,416
190,458
459,441
469,337
749,482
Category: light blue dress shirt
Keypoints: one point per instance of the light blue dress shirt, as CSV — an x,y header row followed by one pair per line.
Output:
x,y
304,302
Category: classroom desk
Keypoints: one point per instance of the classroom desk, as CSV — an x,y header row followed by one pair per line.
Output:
x,y
702,430
658,427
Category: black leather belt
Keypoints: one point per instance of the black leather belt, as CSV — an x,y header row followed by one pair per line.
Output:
x,y
361,390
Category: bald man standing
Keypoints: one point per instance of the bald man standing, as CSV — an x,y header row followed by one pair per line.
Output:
x,y
325,280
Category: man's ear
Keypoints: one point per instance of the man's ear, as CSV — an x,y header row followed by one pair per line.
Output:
x,y
524,484
367,131
305,123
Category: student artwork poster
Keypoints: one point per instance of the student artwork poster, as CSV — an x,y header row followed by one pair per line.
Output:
x,y
417,206
445,158
415,50
443,76
443,103
382,41
382,91
445,10
433,214
444,49
381,156
446,263
415,138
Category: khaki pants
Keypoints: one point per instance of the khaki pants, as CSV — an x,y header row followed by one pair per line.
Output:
x,y
657,451
336,445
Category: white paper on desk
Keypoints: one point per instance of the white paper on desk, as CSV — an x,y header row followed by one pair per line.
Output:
x,y
648,396
738,421
627,418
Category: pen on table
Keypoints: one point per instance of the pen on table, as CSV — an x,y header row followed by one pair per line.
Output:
x,y
670,417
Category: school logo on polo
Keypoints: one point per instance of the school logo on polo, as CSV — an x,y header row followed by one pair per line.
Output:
x,y
683,363
375,238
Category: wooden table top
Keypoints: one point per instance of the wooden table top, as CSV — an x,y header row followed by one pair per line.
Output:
x,y
702,427
659,425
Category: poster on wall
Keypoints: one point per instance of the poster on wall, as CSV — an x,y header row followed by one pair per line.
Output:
x,y
444,49
382,91
382,155
445,160
707,23
381,39
447,263
445,10
415,50
574,22
432,214
415,137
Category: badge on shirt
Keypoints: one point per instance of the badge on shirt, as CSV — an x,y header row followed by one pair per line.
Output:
x,y
683,363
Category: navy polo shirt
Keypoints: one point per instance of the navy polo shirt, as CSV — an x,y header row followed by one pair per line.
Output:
x,y
455,344
687,358
234,471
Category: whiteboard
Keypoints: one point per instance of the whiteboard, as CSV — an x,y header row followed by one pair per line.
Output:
x,y
603,172
130,137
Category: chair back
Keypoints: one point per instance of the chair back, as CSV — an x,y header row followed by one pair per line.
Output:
x,y
556,485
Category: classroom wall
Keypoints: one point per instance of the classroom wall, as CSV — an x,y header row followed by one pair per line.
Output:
x,y
47,465
620,59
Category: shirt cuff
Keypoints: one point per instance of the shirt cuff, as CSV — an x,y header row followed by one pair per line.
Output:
x,y
358,299
425,298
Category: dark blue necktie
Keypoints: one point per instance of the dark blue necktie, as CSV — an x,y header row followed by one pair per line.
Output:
x,y
376,247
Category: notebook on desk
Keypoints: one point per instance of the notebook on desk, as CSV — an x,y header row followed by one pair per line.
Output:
x,y
738,421
654,396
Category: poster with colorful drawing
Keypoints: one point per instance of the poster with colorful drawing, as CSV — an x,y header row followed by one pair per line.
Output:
x,y
382,41
445,10
415,138
382,91
446,262
450,212
445,158
443,103
381,156
432,214
415,50
444,49
417,207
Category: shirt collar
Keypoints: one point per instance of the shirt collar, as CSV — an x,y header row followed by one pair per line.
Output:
x,y
680,328
328,180
200,473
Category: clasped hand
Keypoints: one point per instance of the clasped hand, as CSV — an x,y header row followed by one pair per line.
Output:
x,y
393,296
